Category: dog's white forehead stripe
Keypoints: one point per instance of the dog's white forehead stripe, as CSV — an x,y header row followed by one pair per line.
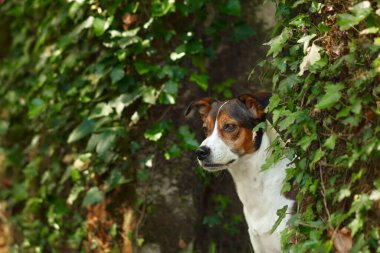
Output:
x,y
215,130
220,152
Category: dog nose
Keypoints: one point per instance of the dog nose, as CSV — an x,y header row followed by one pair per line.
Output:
x,y
202,152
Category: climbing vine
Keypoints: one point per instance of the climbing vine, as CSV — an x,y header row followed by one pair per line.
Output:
x,y
82,82
325,63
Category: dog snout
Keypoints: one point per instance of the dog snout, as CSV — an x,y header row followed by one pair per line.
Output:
x,y
203,152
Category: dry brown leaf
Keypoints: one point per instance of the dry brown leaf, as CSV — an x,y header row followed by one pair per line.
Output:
x,y
128,20
342,240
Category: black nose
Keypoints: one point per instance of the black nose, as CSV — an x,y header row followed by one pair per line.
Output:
x,y
202,152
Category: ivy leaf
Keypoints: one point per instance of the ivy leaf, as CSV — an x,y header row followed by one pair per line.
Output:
x,y
362,9
100,25
200,80
125,100
305,40
150,95
232,7
161,8
356,224
117,74
176,56
332,95
359,12
281,215
344,193
330,142
274,101
143,67
154,134
157,131
370,30
93,196
105,142
318,155
82,130
277,43
312,57
188,140
36,106
101,110
306,141
75,191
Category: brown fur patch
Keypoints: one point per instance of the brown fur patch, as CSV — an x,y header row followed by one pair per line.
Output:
x,y
253,105
240,140
203,106
209,125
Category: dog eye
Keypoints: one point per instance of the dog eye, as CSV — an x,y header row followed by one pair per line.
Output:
x,y
205,129
229,127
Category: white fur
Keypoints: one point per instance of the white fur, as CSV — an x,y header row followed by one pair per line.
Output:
x,y
260,192
220,152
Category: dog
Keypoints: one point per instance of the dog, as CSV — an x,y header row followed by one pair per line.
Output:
x,y
232,144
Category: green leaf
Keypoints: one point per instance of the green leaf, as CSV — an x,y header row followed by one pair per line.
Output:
x,y
105,142
232,7
344,193
161,8
36,106
157,131
356,224
82,130
370,30
75,191
188,140
277,43
274,101
305,141
281,213
143,67
101,110
305,40
171,87
117,74
100,25
154,134
315,7
359,12
318,154
299,20
288,120
150,95
331,97
174,151
200,80
93,196
330,142
19,192
125,100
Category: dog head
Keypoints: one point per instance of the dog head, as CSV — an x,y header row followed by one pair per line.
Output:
x,y
228,128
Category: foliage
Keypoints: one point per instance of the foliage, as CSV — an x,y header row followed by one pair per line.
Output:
x,y
325,62
80,84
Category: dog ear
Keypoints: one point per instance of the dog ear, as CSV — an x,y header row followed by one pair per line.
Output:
x,y
203,106
262,97
256,103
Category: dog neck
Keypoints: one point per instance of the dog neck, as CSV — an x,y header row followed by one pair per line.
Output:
x,y
260,191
